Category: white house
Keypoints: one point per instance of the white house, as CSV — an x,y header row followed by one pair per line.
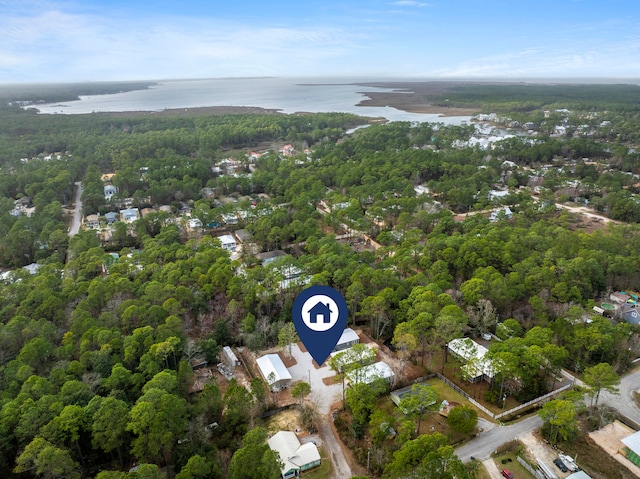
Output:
x,y
295,457
228,242
274,371
478,367
109,191
229,219
195,223
368,374
505,213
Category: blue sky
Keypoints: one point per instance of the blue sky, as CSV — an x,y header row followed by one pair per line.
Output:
x,y
73,40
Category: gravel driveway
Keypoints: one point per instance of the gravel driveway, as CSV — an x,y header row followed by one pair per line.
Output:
x,y
322,396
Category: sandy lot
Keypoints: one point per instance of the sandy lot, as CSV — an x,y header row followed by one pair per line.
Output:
x,y
538,449
609,438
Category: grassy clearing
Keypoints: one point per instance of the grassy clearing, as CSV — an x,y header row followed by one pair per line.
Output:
x,y
508,461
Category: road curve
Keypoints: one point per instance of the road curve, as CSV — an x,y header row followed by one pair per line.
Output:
x,y
484,445
624,402
487,442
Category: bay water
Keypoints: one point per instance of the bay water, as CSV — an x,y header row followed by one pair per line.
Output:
x,y
289,95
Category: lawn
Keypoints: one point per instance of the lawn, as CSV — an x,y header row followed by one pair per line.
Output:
x,y
508,461
323,471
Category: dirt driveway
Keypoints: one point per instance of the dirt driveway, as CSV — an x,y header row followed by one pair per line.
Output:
x,y
538,449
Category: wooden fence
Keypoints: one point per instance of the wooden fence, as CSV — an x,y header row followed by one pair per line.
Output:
x,y
511,411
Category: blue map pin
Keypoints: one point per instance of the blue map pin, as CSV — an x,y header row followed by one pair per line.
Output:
x,y
320,316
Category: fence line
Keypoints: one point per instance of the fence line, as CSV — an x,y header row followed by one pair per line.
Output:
x,y
534,472
533,401
459,390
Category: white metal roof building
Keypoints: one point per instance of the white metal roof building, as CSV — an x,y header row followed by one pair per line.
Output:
x,y
368,374
294,456
632,448
579,475
228,242
348,338
274,371
477,367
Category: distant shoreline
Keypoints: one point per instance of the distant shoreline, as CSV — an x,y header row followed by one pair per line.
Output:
x,y
413,97
407,96
193,111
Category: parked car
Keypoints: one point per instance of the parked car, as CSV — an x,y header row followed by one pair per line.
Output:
x,y
561,465
569,462
507,474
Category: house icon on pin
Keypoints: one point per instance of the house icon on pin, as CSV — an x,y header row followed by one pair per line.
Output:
x,y
320,312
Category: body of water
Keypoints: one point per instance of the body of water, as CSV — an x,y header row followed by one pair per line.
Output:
x,y
288,95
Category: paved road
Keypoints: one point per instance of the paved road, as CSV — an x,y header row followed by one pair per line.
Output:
x,y
624,402
77,212
488,441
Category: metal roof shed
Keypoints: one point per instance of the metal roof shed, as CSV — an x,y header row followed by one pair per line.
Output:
x,y
274,371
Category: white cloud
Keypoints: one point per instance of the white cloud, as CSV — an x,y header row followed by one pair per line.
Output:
x,y
610,61
50,45
410,3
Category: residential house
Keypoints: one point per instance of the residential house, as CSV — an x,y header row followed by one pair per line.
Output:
x,y
129,215
294,457
502,213
287,150
228,242
293,276
111,217
629,313
109,191
243,236
477,367
270,256
274,372
92,221
368,374
195,223
347,339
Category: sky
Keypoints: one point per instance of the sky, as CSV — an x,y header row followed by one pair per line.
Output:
x,y
45,41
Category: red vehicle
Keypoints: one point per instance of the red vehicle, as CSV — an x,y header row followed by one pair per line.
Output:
x,y
507,474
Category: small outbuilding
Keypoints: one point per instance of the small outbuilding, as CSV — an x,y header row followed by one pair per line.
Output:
x,y
402,393
228,357
274,372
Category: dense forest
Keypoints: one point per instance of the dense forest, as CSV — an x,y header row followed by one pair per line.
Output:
x,y
96,349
